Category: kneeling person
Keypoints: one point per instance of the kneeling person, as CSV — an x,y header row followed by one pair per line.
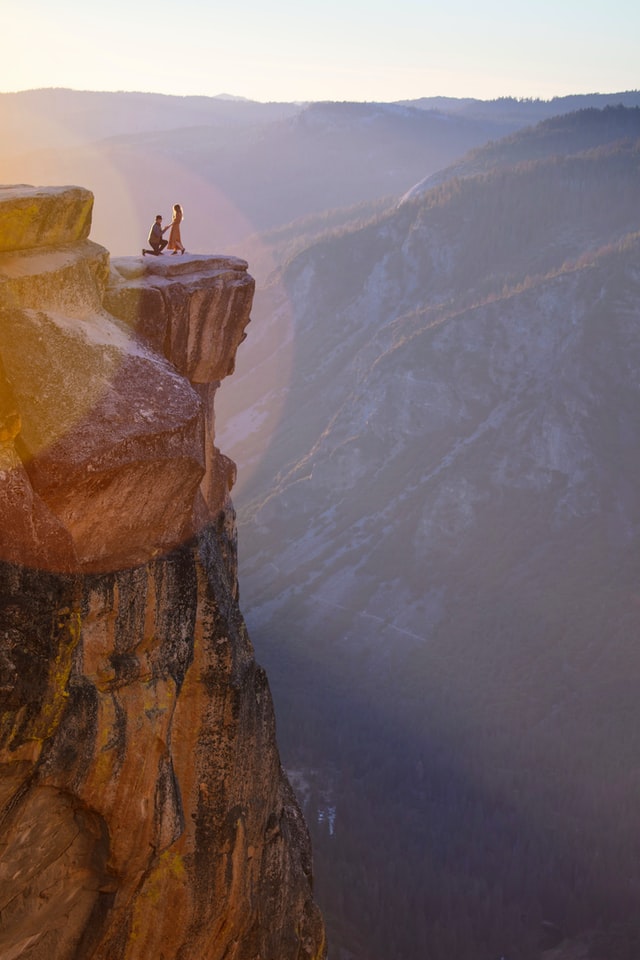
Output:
x,y
155,239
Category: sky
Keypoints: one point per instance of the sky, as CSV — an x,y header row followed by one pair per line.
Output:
x,y
294,50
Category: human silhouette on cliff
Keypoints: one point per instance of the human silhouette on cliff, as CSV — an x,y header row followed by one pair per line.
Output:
x,y
175,241
155,238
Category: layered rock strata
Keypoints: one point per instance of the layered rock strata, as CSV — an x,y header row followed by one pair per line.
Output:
x,y
143,809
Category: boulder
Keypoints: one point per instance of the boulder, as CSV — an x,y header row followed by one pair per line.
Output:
x,y
43,216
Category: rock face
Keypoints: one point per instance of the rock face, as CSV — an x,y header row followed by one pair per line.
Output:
x,y
143,808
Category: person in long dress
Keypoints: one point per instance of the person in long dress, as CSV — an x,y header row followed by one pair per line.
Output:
x,y
175,241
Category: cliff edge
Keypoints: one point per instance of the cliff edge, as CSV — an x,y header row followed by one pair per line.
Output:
x,y
143,809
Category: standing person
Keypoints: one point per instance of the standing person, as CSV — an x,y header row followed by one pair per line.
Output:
x,y
155,239
175,242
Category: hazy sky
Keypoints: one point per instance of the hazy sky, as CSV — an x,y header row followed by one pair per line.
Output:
x,y
334,50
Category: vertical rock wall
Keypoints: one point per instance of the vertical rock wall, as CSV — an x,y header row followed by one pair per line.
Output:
x,y
143,809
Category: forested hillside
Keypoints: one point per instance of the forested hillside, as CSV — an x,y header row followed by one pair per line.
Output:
x,y
562,135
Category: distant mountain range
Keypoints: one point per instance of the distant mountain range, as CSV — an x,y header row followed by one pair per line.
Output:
x,y
240,167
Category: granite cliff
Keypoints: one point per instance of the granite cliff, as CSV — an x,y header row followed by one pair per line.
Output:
x,y
143,808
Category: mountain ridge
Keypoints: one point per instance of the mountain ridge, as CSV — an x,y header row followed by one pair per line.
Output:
x,y
242,167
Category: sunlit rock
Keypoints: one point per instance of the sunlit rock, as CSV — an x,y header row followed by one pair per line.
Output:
x,y
143,808
43,216
170,302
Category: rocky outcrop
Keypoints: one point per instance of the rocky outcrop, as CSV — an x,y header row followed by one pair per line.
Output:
x,y
33,218
143,809
111,407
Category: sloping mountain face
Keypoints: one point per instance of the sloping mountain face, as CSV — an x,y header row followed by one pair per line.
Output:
x,y
445,527
143,808
558,136
571,133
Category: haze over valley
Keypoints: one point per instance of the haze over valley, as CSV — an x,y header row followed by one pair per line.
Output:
x,y
445,526
435,421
